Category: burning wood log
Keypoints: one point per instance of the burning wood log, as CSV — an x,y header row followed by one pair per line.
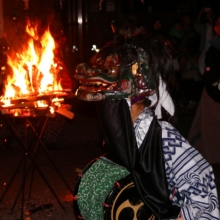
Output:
x,y
65,113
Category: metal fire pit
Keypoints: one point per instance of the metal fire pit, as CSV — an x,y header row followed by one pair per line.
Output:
x,y
31,138
28,106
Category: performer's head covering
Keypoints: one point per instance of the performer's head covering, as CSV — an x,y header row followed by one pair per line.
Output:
x,y
135,67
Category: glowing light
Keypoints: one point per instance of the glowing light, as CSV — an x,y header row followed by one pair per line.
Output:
x,y
52,111
80,21
95,48
74,48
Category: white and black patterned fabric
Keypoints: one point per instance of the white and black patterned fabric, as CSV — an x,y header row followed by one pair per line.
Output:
x,y
190,177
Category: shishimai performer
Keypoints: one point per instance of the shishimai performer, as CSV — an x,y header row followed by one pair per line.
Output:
x,y
128,80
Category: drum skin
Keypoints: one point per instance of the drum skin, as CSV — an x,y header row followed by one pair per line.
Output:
x,y
123,202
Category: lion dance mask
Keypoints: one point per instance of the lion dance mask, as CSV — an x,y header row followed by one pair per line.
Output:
x,y
135,68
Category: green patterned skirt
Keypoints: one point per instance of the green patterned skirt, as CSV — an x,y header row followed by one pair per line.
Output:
x,y
95,185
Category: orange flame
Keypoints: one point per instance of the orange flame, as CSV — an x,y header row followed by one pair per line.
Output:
x,y
33,68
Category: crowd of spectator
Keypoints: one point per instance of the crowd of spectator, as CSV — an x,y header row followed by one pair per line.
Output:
x,y
196,84
188,35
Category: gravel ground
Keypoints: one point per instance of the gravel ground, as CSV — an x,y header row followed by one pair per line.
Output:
x,y
77,146
42,203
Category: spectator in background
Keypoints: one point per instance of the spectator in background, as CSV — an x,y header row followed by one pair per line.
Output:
x,y
177,31
204,134
156,27
190,81
131,27
203,26
176,35
191,39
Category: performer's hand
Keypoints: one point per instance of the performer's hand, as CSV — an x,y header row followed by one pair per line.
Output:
x,y
180,217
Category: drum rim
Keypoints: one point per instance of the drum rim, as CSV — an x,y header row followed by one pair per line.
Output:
x,y
76,188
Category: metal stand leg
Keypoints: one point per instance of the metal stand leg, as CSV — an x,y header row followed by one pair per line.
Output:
x,y
11,180
23,187
48,156
27,155
31,183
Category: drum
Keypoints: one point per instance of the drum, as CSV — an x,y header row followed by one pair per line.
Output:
x,y
105,190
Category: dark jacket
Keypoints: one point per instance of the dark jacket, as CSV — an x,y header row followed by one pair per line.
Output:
x,y
212,69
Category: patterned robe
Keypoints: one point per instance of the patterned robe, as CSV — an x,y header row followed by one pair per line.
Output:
x,y
190,177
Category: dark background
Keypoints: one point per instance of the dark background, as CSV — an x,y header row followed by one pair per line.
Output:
x,y
87,22
81,23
